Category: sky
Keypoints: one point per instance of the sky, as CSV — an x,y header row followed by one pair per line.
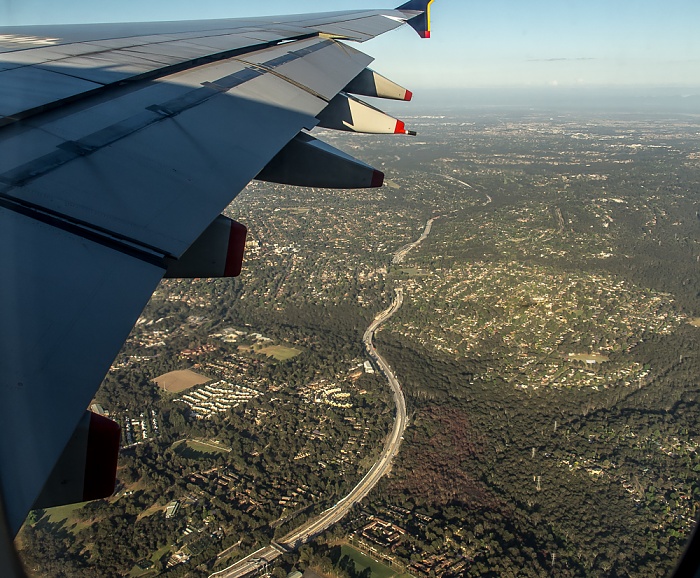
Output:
x,y
478,44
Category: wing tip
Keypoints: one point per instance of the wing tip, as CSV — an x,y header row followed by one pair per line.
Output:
x,y
421,22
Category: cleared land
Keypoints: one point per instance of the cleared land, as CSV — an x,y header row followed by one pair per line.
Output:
x,y
695,322
278,352
177,381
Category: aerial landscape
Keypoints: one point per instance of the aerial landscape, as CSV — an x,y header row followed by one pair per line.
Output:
x,y
488,367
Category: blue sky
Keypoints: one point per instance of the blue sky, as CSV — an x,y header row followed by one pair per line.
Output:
x,y
475,44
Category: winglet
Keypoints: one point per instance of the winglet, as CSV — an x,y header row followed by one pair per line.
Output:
x,y
421,22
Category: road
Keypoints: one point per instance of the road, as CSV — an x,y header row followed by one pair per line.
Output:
x,y
383,464
489,200
400,255
259,559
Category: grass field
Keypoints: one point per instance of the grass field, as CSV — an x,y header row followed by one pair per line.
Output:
x,y
62,513
65,515
361,562
695,322
197,450
177,381
410,271
278,352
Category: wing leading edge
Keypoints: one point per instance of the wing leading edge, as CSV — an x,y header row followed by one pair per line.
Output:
x,y
134,141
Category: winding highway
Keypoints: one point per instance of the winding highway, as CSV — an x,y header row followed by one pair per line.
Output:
x,y
400,255
258,560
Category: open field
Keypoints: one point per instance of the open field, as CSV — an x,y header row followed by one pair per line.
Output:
x,y
278,352
178,381
207,446
410,271
695,322
154,509
65,515
62,513
196,449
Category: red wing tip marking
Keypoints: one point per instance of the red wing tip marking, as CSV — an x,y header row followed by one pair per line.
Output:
x,y
400,127
424,34
409,96
377,179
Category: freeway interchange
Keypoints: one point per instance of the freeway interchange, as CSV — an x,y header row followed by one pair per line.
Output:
x,y
259,560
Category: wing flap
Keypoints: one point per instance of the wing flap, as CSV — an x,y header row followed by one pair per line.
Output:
x,y
105,179
66,296
188,141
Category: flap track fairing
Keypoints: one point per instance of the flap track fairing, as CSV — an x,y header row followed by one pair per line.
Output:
x,y
309,162
371,83
348,113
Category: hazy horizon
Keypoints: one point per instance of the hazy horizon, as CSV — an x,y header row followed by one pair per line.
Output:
x,y
656,100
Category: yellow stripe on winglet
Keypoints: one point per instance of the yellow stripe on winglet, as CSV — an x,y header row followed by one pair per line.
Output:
x,y
427,10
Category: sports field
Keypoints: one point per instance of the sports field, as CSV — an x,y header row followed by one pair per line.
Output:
x,y
378,569
198,449
278,352
177,381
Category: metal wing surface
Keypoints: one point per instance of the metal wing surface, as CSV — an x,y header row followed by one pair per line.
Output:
x,y
119,145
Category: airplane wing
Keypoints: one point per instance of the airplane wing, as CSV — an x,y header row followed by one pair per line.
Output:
x,y
120,146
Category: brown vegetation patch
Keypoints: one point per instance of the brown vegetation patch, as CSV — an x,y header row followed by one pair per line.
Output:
x,y
434,457
177,381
